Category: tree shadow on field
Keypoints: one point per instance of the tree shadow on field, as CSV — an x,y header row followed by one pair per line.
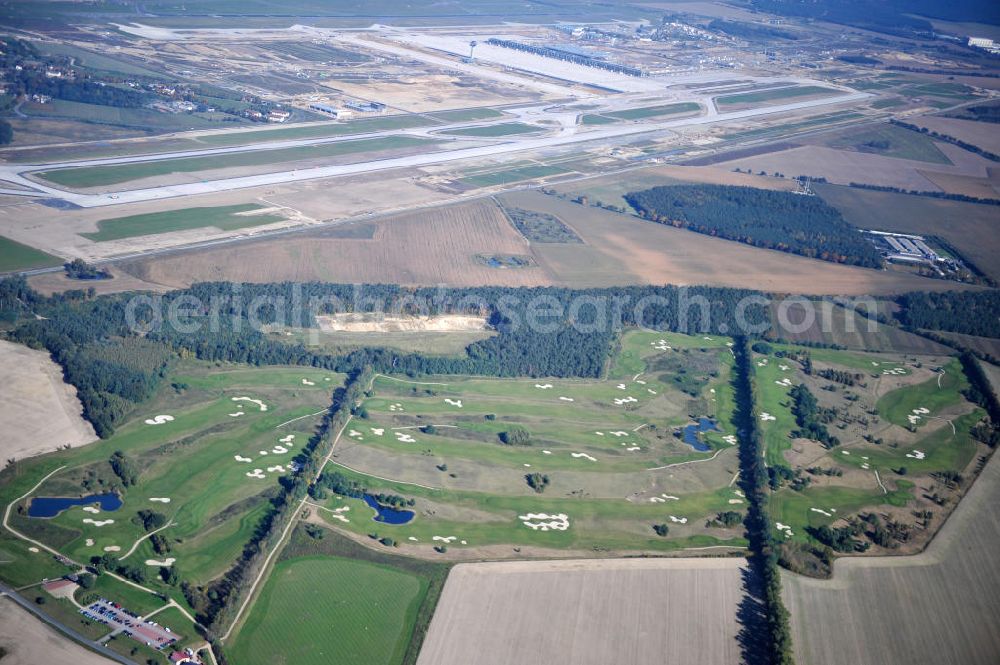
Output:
x,y
752,618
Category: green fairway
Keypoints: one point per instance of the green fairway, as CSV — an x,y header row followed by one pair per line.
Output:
x,y
901,406
15,256
777,94
803,509
96,176
225,218
319,610
502,129
654,111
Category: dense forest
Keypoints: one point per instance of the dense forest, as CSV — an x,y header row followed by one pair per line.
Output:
x,y
784,221
968,312
980,113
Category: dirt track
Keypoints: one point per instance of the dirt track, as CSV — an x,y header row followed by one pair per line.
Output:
x,y
620,611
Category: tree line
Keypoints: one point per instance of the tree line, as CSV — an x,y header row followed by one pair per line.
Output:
x,y
784,221
967,312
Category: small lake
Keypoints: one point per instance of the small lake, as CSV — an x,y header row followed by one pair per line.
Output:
x,y
692,431
50,506
388,515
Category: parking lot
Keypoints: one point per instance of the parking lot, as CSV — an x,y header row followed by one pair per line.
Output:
x,y
120,620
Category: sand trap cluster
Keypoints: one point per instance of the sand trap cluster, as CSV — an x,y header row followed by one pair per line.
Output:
x,y
616,433
113,548
784,528
566,399
91,509
545,522
338,514
916,454
625,400
784,368
864,465
730,439
87,520
620,386
287,440
396,407
445,539
276,469
765,416
169,561
584,456
260,404
663,498
453,402
240,458
413,539
378,431
90,542
159,420
543,386
678,520
256,473
279,450
660,345
895,371
403,437
823,512
307,382
786,382
917,414
762,362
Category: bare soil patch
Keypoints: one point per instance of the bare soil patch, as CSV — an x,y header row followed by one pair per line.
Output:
x,y
351,322
28,641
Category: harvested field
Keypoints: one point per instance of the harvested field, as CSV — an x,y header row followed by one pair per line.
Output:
x,y
39,412
937,607
431,247
986,345
627,612
27,641
622,249
982,134
970,228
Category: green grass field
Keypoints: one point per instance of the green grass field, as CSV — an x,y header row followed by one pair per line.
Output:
x,y
15,256
467,115
311,131
654,111
933,394
892,141
494,131
508,176
775,95
224,218
319,610
96,176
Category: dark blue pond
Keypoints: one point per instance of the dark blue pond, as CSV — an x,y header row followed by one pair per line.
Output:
x,y
50,506
388,515
692,431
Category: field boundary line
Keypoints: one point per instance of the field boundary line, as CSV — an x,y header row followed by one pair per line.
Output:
x,y
419,383
694,461
299,418
388,480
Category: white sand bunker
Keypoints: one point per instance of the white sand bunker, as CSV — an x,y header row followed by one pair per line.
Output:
x,y
34,550
631,449
663,498
276,469
784,528
762,362
261,452
260,404
256,473
445,539
599,433
240,458
91,509
678,520
730,439
90,542
620,386
786,382
765,416
566,399
546,452
784,368
307,382
735,501
169,561
337,514
584,456
279,450
543,386
403,437
396,407
650,391
412,539
895,371
640,382
236,415
354,434
454,402
112,548
656,499
624,400
660,345
286,439
845,452
864,465
916,454
527,465
821,512
619,433
378,431
87,520
545,522
160,499
159,420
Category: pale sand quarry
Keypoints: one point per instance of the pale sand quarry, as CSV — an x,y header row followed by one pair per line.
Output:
x,y
28,641
936,607
621,611
39,412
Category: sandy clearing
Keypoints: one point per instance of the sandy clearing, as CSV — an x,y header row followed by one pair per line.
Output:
x,y
622,611
354,322
28,641
39,412
936,607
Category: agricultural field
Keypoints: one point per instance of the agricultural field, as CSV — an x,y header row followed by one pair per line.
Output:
x,y
197,463
549,464
224,218
25,639
891,141
97,176
15,256
885,434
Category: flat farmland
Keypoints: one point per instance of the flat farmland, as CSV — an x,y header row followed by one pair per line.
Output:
x,y
982,134
26,640
936,607
437,246
627,612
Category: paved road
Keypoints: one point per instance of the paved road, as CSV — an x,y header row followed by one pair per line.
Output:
x,y
63,628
